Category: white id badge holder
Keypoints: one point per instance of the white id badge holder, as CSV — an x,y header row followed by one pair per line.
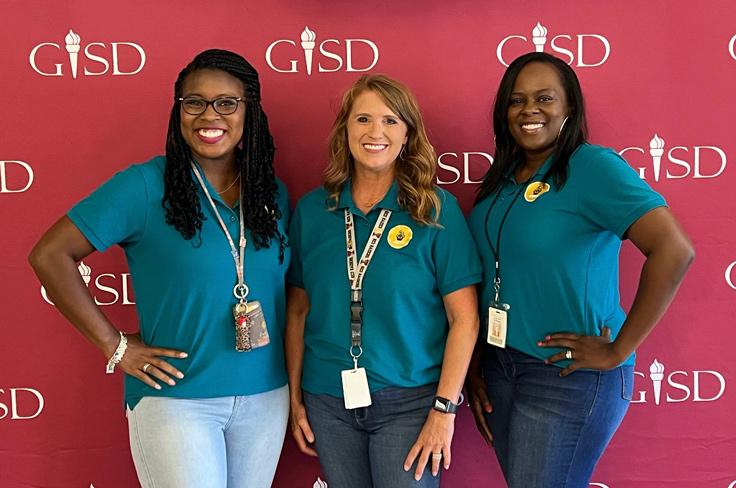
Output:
x,y
355,388
497,324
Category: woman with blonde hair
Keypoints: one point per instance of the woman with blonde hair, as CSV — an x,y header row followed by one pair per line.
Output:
x,y
380,330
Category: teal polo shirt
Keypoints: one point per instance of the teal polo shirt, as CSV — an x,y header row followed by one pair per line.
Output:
x,y
404,321
184,288
559,254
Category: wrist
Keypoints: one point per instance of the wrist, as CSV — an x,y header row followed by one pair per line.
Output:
x,y
443,405
118,354
619,353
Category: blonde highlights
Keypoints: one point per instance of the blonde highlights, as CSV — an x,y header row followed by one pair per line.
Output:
x,y
416,165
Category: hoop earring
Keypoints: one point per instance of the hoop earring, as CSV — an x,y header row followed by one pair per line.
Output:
x,y
562,127
402,153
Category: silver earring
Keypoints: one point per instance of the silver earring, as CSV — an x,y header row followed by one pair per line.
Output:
x,y
562,127
402,153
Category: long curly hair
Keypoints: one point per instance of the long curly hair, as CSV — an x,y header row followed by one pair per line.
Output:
x,y
255,159
572,135
416,166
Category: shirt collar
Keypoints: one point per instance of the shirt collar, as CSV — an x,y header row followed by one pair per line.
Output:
x,y
389,201
211,189
509,173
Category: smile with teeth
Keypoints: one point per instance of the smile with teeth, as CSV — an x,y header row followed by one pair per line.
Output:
x,y
532,126
210,133
375,147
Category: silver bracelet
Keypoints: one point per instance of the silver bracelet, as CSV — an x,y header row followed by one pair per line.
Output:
x,y
118,354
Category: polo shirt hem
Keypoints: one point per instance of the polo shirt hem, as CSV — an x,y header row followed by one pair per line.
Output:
x,y
635,214
469,280
87,232
132,401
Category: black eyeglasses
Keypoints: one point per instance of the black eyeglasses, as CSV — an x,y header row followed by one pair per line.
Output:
x,y
197,106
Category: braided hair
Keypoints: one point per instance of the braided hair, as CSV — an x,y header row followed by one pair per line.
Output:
x,y
255,159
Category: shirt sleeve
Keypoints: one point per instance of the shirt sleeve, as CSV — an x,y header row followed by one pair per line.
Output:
x,y
115,213
456,260
612,195
294,275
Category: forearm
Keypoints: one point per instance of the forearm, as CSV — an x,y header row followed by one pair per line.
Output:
x,y
296,312
660,278
57,272
458,351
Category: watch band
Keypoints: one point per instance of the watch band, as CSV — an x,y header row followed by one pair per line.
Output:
x,y
443,405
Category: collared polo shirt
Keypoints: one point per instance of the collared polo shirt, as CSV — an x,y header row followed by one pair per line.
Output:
x,y
559,253
404,320
184,288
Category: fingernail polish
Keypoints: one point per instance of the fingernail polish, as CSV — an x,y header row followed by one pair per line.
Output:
x,y
158,387
180,375
183,355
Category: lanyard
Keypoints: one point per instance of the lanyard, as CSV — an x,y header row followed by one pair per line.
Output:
x,y
241,289
497,250
356,272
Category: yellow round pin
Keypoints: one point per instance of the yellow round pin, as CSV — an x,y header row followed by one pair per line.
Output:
x,y
534,190
399,236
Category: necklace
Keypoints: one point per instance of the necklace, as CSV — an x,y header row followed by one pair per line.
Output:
x,y
230,185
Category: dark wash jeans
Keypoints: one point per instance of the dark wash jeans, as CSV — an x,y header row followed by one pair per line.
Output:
x,y
366,447
549,431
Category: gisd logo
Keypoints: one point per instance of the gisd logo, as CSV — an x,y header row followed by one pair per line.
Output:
x,y
465,167
676,162
732,47
580,50
321,55
20,403
107,289
680,386
729,275
15,176
97,58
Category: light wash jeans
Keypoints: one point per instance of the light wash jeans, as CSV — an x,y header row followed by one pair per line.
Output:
x,y
232,442
549,431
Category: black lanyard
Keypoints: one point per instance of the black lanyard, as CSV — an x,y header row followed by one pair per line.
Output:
x,y
497,250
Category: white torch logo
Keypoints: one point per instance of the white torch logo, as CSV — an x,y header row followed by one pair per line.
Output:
x,y
656,149
308,38
85,271
319,483
72,47
539,37
656,373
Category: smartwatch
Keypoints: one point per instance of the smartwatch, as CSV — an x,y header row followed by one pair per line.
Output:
x,y
443,405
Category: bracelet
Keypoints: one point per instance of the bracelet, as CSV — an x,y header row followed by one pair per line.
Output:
x,y
118,354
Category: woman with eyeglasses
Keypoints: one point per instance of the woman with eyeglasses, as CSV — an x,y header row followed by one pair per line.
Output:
x,y
552,375
203,230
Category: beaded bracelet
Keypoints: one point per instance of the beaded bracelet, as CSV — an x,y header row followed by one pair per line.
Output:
x,y
118,354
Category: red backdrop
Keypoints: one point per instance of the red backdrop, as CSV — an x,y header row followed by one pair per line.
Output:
x,y
662,67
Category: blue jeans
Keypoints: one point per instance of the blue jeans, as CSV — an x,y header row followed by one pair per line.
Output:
x,y
208,442
366,447
549,431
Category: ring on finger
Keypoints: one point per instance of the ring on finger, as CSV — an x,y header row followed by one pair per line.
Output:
x,y
436,455
568,354
146,366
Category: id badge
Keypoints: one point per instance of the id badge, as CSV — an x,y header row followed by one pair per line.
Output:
x,y
251,331
355,388
497,326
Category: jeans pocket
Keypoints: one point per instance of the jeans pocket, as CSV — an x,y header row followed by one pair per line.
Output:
x,y
627,382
